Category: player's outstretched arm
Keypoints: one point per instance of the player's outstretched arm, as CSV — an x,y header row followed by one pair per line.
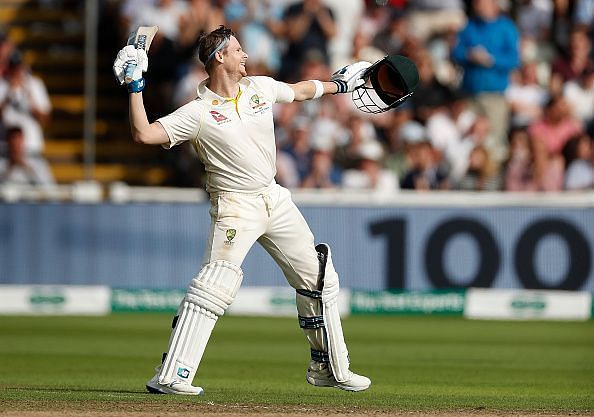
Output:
x,y
306,90
128,67
345,80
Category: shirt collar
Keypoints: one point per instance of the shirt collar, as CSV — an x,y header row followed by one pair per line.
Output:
x,y
213,98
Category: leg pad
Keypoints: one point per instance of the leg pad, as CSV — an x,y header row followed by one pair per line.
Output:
x,y
207,298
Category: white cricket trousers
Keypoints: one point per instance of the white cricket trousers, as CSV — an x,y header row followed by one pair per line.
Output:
x,y
271,218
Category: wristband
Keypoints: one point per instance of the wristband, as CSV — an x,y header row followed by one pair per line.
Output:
x,y
341,86
319,89
136,86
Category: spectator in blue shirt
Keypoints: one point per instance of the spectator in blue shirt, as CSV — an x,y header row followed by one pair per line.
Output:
x,y
487,49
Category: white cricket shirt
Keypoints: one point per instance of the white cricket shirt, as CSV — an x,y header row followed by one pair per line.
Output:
x,y
234,140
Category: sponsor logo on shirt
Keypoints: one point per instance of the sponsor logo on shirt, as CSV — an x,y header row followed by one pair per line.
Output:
x,y
219,118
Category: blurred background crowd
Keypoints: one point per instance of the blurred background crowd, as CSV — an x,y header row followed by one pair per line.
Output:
x,y
505,99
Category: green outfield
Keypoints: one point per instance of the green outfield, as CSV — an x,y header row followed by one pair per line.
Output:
x,y
416,363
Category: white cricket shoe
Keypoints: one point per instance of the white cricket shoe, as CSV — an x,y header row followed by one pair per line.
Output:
x,y
174,387
320,375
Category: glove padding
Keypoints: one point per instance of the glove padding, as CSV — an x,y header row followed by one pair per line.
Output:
x,y
129,64
349,77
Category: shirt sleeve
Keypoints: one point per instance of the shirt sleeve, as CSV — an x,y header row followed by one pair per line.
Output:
x,y
181,125
278,91
285,93
39,95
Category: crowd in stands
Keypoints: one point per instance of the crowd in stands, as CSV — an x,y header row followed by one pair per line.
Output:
x,y
505,99
24,110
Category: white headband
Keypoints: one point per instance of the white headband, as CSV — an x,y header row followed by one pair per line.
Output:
x,y
217,49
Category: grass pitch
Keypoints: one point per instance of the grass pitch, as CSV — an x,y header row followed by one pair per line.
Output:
x,y
415,363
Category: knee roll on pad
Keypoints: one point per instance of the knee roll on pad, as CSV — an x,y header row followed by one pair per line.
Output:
x,y
207,298
215,288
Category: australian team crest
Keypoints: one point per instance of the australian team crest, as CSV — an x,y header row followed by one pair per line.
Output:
x,y
230,234
257,102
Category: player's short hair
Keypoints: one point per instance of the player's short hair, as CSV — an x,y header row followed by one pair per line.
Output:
x,y
212,42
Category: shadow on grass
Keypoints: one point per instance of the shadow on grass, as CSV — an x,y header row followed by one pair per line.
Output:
x,y
76,389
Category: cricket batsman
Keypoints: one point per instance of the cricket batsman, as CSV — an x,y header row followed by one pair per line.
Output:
x,y
230,124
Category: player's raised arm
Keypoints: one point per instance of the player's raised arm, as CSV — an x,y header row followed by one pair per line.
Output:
x,y
128,67
344,80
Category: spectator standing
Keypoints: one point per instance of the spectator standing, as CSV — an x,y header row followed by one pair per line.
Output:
x,y
24,102
308,26
199,16
347,15
487,49
257,22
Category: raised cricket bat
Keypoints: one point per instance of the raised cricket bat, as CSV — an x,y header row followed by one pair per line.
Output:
x,y
140,38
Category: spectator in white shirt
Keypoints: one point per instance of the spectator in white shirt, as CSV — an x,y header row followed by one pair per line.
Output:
x,y
580,96
24,101
526,97
20,168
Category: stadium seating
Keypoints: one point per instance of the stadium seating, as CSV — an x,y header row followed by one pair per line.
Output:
x,y
52,41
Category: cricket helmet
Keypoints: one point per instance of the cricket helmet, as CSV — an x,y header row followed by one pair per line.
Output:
x,y
388,83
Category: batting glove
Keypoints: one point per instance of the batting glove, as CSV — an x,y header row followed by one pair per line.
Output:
x,y
349,77
128,67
